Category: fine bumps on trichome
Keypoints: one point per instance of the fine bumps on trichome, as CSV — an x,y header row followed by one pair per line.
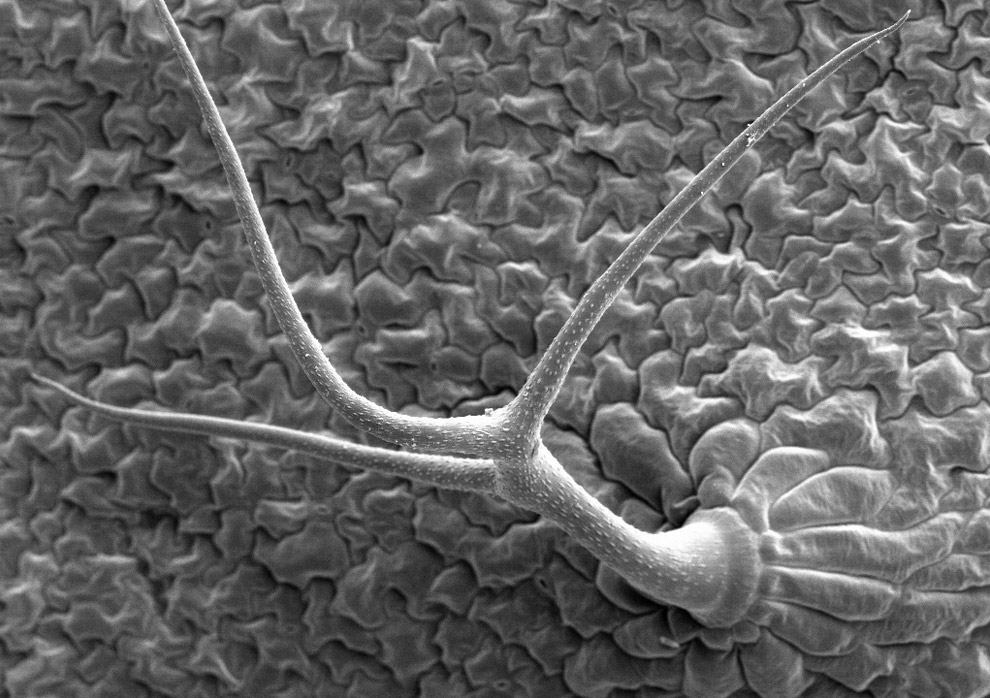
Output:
x,y
802,560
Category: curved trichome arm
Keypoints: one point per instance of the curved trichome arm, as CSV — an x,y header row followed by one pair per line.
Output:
x,y
449,472
534,400
463,434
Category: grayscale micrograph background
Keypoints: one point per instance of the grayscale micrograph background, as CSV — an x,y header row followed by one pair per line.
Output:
x,y
442,179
